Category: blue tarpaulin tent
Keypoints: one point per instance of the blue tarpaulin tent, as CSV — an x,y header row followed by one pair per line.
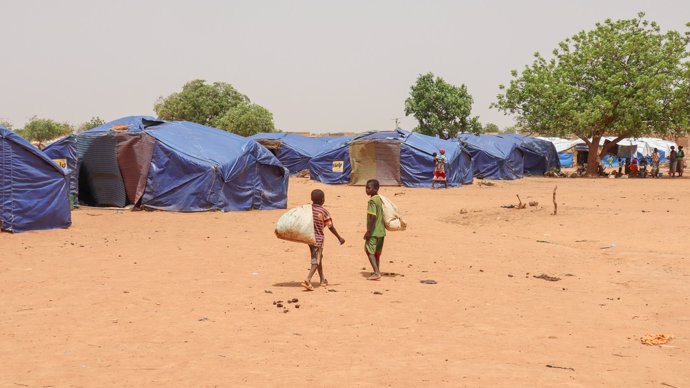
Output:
x,y
392,157
200,168
494,157
332,166
177,166
34,191
540,155
566,159
294,151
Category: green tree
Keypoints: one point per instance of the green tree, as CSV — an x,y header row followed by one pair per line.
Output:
x,y
42,130
491,128
511,129
247,119
200,102
93,123
6,124
624,78
441,108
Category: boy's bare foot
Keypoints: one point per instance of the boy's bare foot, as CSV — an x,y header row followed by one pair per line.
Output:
x,y
374,276
324,283
307,285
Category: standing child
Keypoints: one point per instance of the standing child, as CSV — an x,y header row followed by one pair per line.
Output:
x,y
440,169
376,231
322,218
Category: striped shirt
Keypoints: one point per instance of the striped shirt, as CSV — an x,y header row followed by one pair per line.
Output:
x,y
322,218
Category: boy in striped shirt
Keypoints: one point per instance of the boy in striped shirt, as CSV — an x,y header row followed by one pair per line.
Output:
x,y
322,218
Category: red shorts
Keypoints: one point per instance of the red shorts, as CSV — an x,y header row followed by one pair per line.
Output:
x,y
439,174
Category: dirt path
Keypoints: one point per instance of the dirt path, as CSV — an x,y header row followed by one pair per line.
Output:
x,y
136,299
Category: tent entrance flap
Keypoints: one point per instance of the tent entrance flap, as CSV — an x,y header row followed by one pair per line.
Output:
x,y
100,181
375,160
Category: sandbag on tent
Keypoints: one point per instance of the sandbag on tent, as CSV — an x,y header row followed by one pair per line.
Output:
x,y
392,157
294,151
494,157
540,155
34,191
297,225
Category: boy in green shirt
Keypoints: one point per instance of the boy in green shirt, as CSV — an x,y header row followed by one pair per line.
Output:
x,y
376,231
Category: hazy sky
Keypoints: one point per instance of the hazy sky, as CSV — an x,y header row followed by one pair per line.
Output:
x,y
317,65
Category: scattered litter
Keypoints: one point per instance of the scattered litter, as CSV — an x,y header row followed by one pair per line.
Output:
x,y
482,183
533,203
203,319
400,193
612,245
547,277
428,281
332,290
268,291
559,367
655,339
545,241
377,293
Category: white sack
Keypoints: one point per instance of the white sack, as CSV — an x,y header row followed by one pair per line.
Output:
x,y
297,225
391,218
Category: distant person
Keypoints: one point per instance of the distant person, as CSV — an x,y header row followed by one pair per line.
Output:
x,y
627,166
600,169
655,163
680,160
634,168
376,232
439,169
621,163
322,218
673,161
643,167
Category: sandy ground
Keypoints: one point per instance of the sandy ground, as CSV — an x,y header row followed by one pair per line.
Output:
x,y
138,299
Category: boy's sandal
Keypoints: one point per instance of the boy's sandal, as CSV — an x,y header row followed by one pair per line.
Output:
x,y
307,285
374,277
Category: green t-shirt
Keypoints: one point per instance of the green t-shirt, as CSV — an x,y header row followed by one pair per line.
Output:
x,y
680,155
375,207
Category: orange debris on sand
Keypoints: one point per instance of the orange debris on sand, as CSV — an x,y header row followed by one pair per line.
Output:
x,y
655,339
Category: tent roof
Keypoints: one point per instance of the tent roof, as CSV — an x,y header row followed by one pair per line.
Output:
x,y
492,144
135,123
12,136
308,146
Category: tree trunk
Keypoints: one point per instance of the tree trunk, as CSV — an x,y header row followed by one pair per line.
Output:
x,y
593,158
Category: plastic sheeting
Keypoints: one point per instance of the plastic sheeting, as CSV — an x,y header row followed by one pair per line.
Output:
x,y
34,191
566,159
540,155
416,161
494,157
181,166
197,168
294,151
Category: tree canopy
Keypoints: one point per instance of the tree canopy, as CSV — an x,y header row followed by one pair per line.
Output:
x,y
93,123
491,128
6,124
247,119
441,108
42,130
217,105
624,78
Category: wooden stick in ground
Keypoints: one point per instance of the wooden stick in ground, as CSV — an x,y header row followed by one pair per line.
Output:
x,y
520,204
555,205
